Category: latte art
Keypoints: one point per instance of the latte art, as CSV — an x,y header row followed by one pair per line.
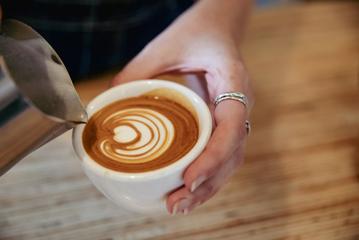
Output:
x,y
140,134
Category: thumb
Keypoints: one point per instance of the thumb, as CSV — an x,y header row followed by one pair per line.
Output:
x,y
147,64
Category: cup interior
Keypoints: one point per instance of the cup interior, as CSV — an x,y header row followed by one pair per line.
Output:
x,y
137,88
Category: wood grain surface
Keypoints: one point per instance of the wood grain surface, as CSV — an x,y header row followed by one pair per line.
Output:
x,y
301,175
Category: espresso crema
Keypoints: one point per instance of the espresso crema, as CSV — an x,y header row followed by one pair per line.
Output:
x,y
141,133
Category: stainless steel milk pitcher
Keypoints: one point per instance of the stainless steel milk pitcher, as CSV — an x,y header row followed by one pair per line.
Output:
x,y
37,98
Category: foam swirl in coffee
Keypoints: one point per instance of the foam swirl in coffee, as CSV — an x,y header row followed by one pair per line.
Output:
x,y
140,134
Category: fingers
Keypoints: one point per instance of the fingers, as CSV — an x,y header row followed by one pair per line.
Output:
x,y
225,140
228,77
184,201
230,117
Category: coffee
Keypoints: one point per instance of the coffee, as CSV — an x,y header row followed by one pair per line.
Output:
x,y
141,133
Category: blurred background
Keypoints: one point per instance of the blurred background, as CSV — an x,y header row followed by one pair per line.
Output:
x,y
300,179
82,32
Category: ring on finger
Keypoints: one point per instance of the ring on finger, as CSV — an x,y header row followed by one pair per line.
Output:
x,y
237,96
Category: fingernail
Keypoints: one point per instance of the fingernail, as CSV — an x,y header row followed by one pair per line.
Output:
x,y
183,204
197,182
175,209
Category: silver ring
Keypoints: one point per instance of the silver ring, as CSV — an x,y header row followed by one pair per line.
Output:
x,y
237,96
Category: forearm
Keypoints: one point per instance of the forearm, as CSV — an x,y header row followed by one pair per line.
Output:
x,y
231,15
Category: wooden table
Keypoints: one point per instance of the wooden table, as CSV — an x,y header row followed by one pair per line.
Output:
x,y
301,176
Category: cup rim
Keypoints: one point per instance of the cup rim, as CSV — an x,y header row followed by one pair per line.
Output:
x,y
204,119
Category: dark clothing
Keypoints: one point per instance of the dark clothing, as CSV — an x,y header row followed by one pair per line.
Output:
x,y
92,36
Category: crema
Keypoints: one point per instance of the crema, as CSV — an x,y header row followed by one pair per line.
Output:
x,y
140,134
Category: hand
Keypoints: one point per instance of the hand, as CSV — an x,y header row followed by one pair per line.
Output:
x,y
197,42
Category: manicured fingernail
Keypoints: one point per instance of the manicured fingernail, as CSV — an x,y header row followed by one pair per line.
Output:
x,y
175,209
197,182
183,204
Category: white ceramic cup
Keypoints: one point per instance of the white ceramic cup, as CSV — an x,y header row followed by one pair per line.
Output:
x,y
142,192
